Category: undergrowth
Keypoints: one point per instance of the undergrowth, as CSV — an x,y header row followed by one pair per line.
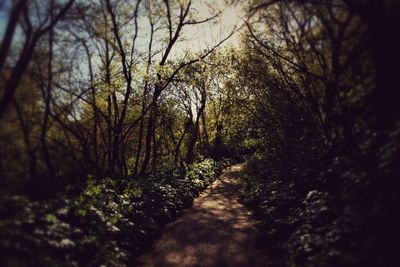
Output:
x,y
108,223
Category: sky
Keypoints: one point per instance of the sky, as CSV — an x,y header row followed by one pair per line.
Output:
x,y
199,37
195,38
4,6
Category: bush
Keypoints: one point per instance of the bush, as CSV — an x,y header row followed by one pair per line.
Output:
x,y
109,222
335,211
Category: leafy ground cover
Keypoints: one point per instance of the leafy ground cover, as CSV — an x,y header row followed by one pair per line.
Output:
x,y
109,222
330,210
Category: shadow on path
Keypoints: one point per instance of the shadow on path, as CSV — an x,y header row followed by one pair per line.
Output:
x,y
216,231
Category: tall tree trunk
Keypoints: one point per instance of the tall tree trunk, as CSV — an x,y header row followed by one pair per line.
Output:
x,y
207,149
386,56
28,145
31,39
149,138
139,146
110,165
155,145
47,98
188,125
217,153
96,158
149,60
195,133
110,123
382,19
10,30
150,130
116,159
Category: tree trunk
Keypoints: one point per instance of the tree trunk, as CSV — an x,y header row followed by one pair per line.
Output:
x,y
194,137
47,97
28,145
149,138
150,130
207,149
382,19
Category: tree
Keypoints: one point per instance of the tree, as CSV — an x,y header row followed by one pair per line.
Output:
x,y
32,35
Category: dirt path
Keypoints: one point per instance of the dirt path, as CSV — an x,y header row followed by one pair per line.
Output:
x,y
216,231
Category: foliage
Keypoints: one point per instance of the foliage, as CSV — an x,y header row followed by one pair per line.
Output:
x,y
109,222
344,217
322,180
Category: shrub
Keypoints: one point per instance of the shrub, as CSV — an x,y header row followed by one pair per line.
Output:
x,y
335,211
109,222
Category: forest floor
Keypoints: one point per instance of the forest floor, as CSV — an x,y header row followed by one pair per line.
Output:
x,y
216,231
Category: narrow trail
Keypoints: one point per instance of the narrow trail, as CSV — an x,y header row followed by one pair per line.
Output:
x,y
216,231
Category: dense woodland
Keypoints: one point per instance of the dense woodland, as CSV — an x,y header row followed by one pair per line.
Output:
x,y
107,133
